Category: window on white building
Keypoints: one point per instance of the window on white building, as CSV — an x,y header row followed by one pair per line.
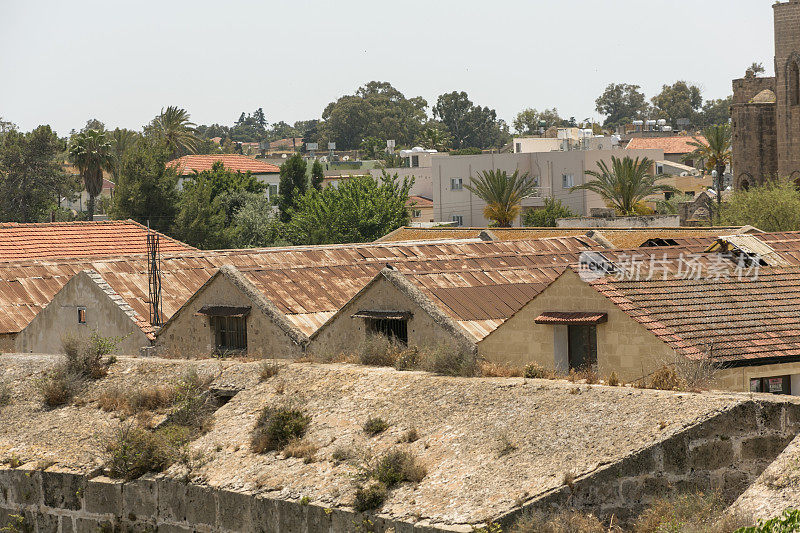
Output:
x,y
458,219
567,181
456,184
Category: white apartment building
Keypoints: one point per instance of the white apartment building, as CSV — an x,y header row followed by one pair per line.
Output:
x,y
555,173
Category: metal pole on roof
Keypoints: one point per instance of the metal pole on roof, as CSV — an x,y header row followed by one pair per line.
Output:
x,y
154,275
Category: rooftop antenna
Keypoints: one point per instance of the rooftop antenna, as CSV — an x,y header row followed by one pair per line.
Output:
x,y
154,275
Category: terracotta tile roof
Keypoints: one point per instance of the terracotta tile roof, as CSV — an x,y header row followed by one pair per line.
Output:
x,y
731,320
678,144
189,164
419,201
78,239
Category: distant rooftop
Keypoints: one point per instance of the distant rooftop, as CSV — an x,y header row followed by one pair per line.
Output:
x,y
189,164
678,144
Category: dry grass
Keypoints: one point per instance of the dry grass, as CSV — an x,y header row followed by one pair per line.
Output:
x,y
613,380
586,375
301,449
536,371
375,425
450,361
135,451
268,368
689,513
563,522
130,400
491,369
409,436
503,444
397,466
379,350
5,394
665,378
59,387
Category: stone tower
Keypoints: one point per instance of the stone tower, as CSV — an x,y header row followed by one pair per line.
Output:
x,y
787,85
765,114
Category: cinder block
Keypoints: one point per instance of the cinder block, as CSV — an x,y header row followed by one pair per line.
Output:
x,y
711,455
676,454
201,506
63,490
46,523
234,511
103,496
140,499
265,515
764,448
26,486
171,500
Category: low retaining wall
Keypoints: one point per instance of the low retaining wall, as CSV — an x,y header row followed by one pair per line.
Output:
x,y
725,453
62,502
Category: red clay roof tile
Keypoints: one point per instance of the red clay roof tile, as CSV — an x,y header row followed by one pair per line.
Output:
x,y
189,164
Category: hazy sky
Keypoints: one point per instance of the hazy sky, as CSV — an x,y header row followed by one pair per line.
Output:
x,y
64,62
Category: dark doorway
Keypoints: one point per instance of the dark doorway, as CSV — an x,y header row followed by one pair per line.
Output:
x,y
393,328
582,346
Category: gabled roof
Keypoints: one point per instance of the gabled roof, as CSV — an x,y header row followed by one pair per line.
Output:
x,y
419,201
78,239
732,320
189,164
678,144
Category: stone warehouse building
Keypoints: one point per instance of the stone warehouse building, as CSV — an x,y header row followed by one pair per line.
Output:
x,y
765,113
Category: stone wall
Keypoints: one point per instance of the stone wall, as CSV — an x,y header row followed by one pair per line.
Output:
x,y
653,221
724,453
787,53
188,333
754,144
63,502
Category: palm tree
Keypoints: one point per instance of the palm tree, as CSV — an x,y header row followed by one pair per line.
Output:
x,y
502,193
122,141
174,126
90,151
625,184
435,139
716,153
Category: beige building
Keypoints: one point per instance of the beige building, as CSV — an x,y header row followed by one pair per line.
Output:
x,y
420,209
555,172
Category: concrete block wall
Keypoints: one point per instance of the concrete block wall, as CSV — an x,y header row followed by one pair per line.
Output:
x,y
725,453
64,502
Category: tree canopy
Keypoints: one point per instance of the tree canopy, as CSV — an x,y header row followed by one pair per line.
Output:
x,y
547,216
292,185
774,206
528,120
621,103
678,101
470,125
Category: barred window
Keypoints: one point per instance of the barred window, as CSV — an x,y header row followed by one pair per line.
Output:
x,y
393,328
230,332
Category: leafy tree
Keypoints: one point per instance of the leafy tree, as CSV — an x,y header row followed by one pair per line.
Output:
x,y
621,103
201,221
372,147
174,127
376,109
527,121
255,224
774,206
90,151
502,193
670,207
470,124
317,174
94,124
146,189
715,112
360,209
282,130
546,217
715,152
625,184
31,177
292,185
250,127
679,100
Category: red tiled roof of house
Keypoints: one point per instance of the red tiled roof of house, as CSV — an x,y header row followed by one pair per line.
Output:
x,y
189,164
78,239
678,144
419,201
733,319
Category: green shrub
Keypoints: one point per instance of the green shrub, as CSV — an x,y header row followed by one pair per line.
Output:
x,y
193,404
135,451
396,467
85,357
276,427
450,361
375,425
787,522
370,497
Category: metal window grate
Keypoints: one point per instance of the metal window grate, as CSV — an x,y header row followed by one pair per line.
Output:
x,y
391,327
230,332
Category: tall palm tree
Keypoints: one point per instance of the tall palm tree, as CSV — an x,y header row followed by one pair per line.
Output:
x,y
174,126
90,151
625,184
122,140
716,153
502,193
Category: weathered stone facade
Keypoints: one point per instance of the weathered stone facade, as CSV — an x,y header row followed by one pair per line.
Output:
x,y
765,113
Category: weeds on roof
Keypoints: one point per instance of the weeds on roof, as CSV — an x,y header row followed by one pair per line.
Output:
x,y
268,368
5,394
135,451
537,371
450,360
409,436
277,427
492,369
665,378
301,449
503,444
391,469
613,380
375,425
